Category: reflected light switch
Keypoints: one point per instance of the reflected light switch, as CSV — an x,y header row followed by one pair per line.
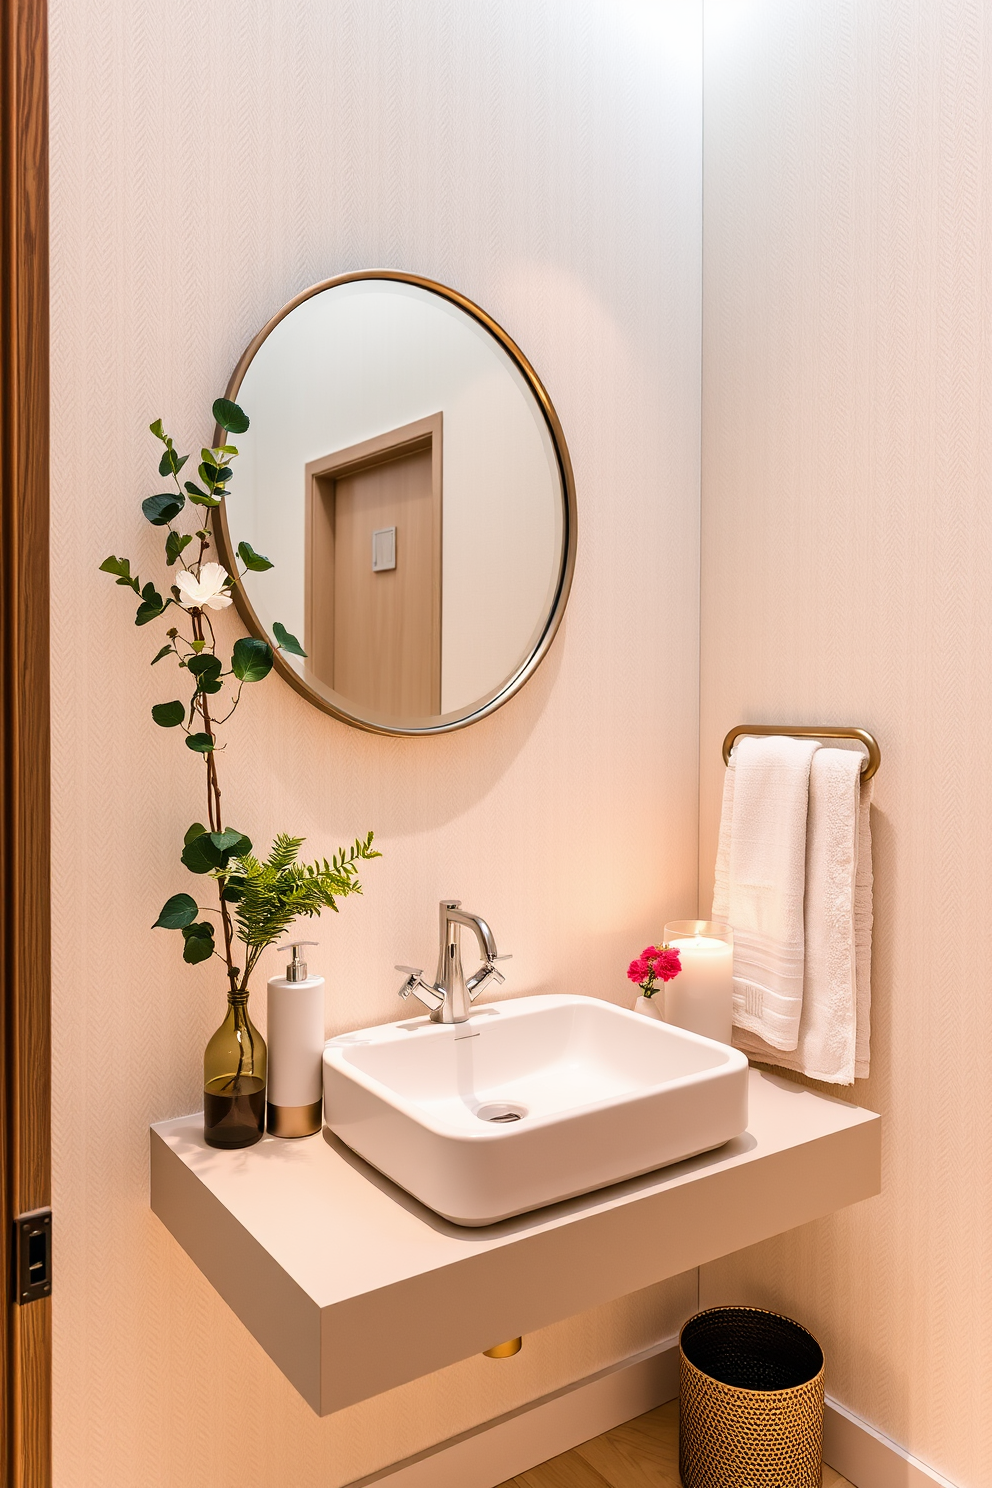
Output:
x,y
383,549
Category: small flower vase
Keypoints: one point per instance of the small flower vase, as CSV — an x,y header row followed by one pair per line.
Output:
x,y
650,1007
234,1080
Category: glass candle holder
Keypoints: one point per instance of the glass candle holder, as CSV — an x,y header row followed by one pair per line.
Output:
x,y
701,997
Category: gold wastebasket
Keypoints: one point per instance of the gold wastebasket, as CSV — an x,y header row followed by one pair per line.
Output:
x,y
750,1401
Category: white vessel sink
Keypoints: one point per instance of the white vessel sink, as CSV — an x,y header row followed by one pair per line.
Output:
x,y
532,1100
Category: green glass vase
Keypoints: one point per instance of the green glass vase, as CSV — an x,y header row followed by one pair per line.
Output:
x,y
234,1079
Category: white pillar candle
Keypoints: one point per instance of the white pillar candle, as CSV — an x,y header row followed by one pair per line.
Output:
x,y
700,998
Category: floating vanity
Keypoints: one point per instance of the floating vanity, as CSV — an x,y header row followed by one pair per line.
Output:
x,y
353,1287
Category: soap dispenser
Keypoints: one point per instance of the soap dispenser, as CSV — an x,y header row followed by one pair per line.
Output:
x,y
296,1048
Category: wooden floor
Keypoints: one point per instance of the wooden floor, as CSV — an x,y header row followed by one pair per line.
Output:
x,y
643,1453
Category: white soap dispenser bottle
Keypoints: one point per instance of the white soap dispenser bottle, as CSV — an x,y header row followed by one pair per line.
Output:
x,y
295,1036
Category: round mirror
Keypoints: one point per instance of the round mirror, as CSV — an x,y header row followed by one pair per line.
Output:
x,y
407,477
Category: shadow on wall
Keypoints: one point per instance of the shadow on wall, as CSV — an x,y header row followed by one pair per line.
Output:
x,y
416,785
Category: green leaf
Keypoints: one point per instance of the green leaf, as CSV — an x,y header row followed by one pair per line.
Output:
x,y
230,417
197,950
216,470
209,850
252,560
206,669
286,642
231,844
169,715
122,568
171,463
199,855
152,605
159,654
214,476
200,743
199,665
177,912
199,940
252,659
175,542
226,449
161,509
200,497
157,430
196,830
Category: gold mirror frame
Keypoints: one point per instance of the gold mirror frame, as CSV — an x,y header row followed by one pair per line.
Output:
x,y
336,704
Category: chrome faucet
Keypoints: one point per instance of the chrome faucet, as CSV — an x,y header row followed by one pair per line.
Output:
x,y
450,996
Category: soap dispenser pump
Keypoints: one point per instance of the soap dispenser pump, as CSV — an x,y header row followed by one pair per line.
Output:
x,y
296,1048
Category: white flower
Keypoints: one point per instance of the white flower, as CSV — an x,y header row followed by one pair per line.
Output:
x,y
205,592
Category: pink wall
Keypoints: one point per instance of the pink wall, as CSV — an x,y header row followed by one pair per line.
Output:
x,y
847,577
209,161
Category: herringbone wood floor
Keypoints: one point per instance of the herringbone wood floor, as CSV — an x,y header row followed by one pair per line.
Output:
x,y
643,1453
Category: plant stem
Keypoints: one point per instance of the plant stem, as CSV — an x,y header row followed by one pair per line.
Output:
x,y
215,819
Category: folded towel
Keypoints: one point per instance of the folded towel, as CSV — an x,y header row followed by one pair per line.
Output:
x,y
837,915
761,881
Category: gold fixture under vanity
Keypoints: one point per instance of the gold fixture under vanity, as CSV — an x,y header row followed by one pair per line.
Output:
x,y
806,731
504,1350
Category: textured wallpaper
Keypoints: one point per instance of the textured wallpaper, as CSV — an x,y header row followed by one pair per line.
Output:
x,y
210,160
847,577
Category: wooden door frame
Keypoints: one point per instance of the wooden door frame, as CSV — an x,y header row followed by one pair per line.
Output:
x,y
319,529
25,895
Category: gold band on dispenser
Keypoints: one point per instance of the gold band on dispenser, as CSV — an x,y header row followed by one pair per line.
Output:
x,y
293,1121
504,1350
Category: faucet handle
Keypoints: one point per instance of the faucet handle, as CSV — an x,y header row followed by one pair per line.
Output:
x,y
413,975
487,973
415,983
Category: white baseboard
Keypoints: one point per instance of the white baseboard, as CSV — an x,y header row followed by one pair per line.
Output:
x,y
496,1450
867,1458
499,1449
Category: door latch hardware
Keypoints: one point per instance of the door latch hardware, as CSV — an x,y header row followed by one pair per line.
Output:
x,y
33,1254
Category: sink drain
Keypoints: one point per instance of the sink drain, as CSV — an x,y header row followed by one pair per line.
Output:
x,y
501,1111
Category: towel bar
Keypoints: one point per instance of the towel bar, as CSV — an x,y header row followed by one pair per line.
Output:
x,y
804,731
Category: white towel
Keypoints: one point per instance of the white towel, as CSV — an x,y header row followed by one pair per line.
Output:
x,y
761,876
863,916
837,916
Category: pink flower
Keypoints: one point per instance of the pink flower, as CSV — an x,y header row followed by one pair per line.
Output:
x,y
661,962
667,964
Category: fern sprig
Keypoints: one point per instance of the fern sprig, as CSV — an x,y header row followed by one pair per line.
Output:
x,y
269,896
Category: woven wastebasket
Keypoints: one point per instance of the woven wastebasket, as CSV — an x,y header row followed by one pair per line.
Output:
x,y
750,1401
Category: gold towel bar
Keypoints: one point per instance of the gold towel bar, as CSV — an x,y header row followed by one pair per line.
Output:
x,y
802,731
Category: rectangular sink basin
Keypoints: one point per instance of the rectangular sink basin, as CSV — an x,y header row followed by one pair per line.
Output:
x,y
533,1100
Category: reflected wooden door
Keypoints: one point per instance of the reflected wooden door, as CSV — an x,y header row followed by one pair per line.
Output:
x,y
374,632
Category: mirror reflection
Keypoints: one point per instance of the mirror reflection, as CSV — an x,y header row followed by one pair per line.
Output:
x,y
406,474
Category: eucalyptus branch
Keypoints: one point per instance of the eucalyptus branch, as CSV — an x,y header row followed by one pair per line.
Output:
x,y
257,901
